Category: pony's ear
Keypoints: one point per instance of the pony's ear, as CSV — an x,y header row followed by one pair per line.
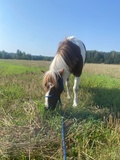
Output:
x,y
61,71
42,71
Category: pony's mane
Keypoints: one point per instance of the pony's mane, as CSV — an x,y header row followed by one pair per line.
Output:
x,y
50,77
67,49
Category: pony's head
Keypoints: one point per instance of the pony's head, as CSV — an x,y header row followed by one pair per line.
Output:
x,y
54,86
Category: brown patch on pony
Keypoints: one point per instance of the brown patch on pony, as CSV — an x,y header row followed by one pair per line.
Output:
x,y
71,54
49,77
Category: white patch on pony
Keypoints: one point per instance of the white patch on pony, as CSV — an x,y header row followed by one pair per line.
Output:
x,y
46,99
47,95
57,64
67,88
75,90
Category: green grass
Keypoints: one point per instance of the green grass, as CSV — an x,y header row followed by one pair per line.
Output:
x,y
92,130
13,68
105,90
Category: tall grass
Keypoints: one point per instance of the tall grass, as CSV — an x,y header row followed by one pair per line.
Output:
x,y
92,130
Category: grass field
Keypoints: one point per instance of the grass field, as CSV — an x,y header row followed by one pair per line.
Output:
x,y
92,130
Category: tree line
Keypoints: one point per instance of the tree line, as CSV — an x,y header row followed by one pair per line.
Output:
x,y
92,56
23,56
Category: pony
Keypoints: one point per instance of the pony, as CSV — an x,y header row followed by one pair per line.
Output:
x,y
69,59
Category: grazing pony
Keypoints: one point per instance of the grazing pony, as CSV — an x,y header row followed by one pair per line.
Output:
x,y
70,58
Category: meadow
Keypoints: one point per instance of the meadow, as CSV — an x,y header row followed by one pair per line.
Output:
x,y
27,131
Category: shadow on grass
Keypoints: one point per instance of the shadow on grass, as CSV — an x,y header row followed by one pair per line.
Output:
x,y
106,98
85,113
104,102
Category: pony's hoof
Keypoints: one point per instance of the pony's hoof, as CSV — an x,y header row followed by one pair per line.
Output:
x,y
75,105
68,97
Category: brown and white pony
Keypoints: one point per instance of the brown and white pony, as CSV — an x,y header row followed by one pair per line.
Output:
x,y
70,58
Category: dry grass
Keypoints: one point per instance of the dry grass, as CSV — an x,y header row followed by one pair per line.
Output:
x,y
103,69
35,136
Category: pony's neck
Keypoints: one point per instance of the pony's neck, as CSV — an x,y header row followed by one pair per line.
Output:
x,y
57,64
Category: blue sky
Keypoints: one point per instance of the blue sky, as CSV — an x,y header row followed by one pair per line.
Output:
x,y
37,26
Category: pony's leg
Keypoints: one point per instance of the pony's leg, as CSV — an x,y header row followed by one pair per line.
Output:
x,y
75,90
67,88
